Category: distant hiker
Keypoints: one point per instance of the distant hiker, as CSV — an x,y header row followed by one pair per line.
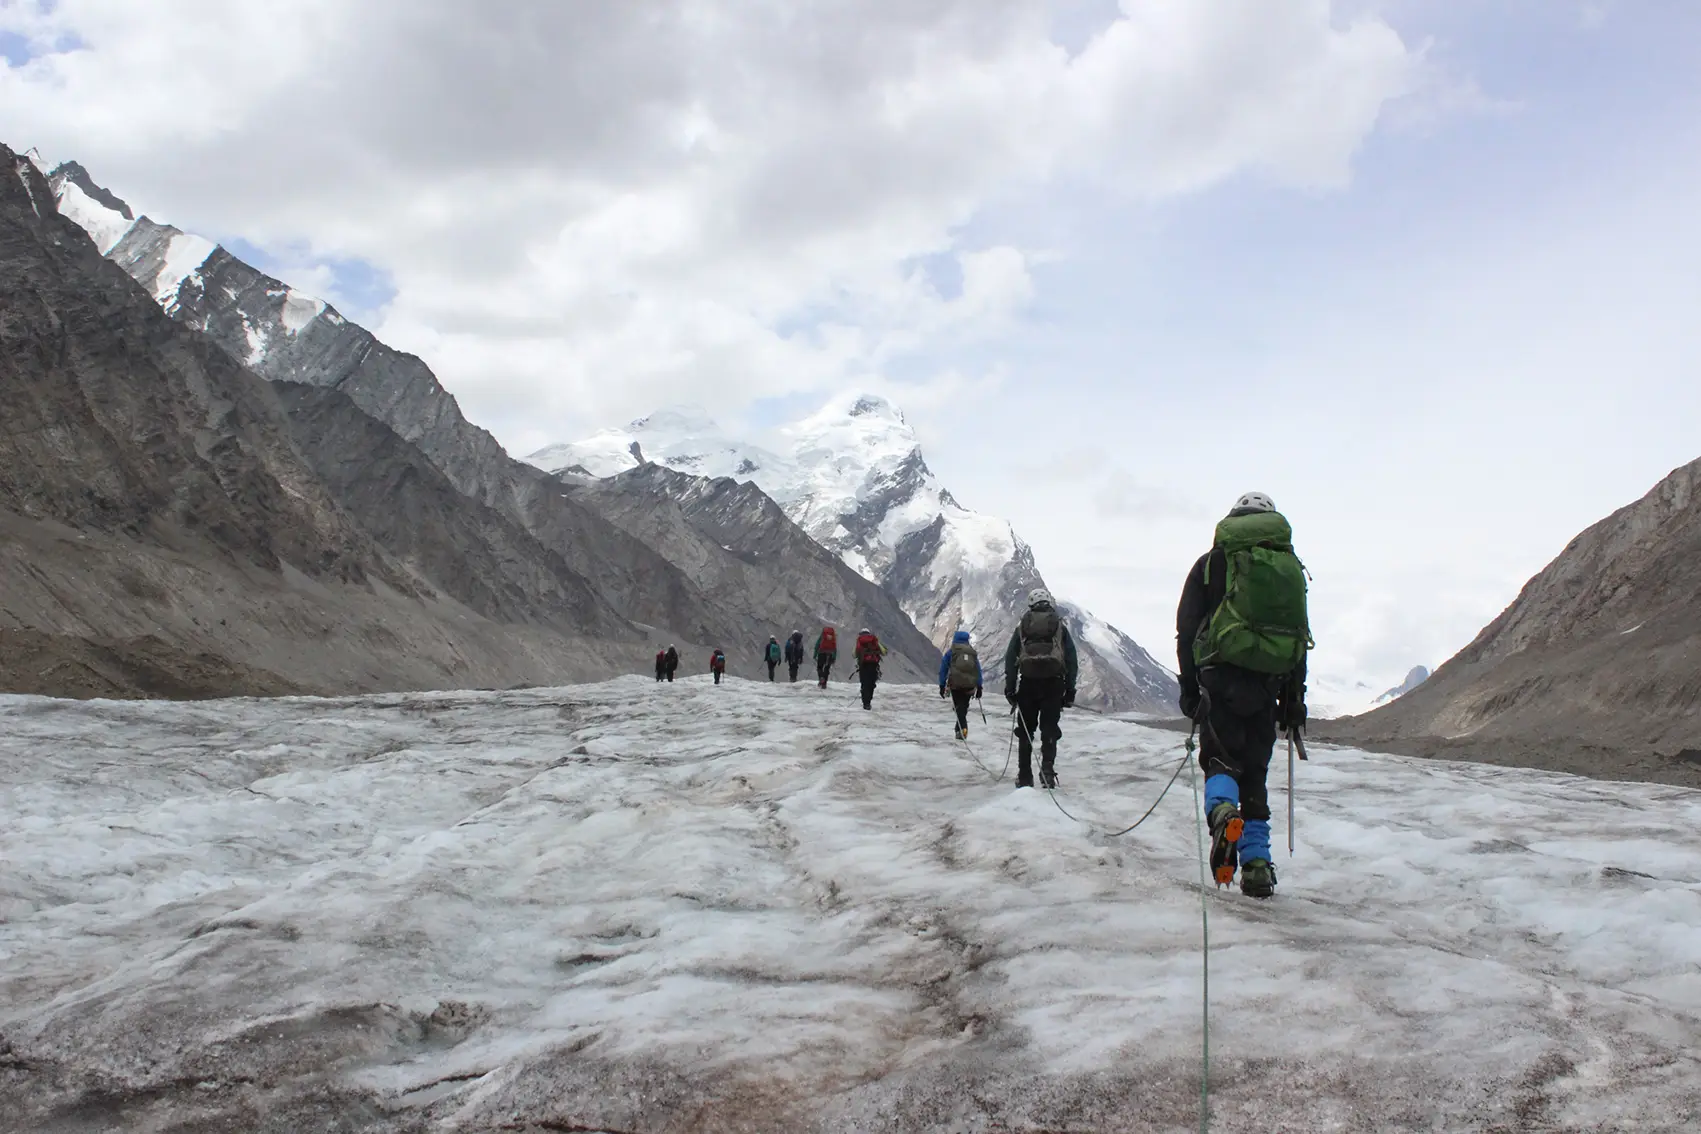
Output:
x,y
869,651
771,655
670,662
794,652
1241,638
661,664
960,676
826,653
1042,654
717,664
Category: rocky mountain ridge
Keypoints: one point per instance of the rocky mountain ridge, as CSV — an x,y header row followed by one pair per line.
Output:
x,y
1594,668
160,531
505,556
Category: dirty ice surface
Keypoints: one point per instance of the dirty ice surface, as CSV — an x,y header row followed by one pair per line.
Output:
x,y
638,907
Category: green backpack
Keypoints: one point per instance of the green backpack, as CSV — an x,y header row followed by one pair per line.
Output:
x,y
1261,623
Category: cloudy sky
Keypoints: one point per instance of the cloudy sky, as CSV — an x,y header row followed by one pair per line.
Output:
x,y
1424,270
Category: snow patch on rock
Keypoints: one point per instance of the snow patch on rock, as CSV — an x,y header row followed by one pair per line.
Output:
x,y
300,310
106,227
183,255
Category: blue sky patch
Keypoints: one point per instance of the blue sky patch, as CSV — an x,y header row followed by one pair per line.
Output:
x,y
15,49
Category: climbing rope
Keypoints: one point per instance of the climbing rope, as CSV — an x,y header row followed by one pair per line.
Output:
x,y
1185,761
1205,948
1052,792
996,777
1188,762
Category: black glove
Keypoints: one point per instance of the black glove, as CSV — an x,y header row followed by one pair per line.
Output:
x,y
1069,699
1190,702
1010,696
942,693
977,692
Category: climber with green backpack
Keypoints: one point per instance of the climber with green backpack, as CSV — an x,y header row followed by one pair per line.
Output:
x,y
1242,635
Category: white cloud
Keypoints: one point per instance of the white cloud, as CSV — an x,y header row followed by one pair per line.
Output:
x,y
588,209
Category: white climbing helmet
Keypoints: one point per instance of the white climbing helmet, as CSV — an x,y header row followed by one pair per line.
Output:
x,y
1039,596
1255,502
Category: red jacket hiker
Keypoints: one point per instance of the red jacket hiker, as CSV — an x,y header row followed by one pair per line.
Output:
x,y
868,653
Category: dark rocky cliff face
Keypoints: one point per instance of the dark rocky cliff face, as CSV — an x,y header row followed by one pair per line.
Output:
x,y
121,421
1595,667
473,552
163,534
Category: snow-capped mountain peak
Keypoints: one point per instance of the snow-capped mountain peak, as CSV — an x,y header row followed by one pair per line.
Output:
x,y
175,266
853,476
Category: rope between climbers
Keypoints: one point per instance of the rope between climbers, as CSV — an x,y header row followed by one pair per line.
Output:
x,y
1186,759
1188,762
1184,762
1204,951
996,777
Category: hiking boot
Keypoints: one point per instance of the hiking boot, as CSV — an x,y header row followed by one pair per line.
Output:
x,y
960,732
1258,878
1024,779
1226,826
1048,776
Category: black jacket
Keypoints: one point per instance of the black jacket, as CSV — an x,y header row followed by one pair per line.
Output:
x,y
672,661
1199,600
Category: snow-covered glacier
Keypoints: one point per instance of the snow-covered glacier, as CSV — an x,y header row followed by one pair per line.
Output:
x,y
641,907
853,476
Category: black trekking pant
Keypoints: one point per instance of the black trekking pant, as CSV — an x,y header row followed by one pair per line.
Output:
x,y
869,675
772,666
717,677
823,668
960,699
670,673
659,673
1238,733
794,666
1039,710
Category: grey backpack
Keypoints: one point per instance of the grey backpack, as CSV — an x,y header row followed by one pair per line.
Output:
x,y
964,671
1042,644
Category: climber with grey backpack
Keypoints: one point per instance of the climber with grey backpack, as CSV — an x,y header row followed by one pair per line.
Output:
x,y
1242,635
1040,671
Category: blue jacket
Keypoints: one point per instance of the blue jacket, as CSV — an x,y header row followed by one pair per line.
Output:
x,y
960,638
